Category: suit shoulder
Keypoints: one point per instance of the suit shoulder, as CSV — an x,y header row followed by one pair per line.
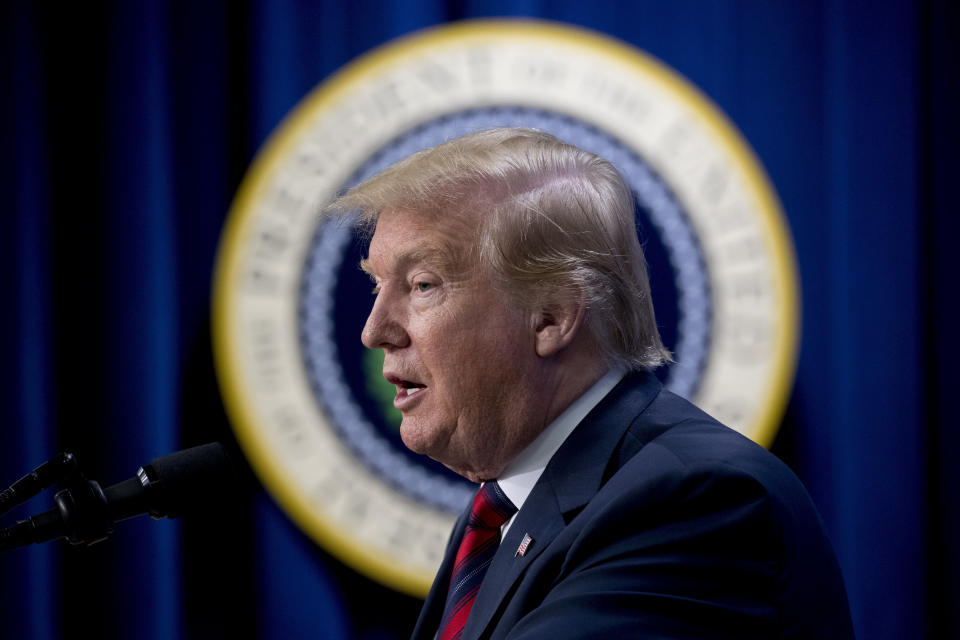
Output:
x,y
699,466
699,443
696,460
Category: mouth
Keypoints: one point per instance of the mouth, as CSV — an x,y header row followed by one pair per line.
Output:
x,y
407,390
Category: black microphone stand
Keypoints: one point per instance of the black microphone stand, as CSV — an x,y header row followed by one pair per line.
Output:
x,y
80,516
61,468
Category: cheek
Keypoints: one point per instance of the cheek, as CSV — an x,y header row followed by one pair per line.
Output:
x,y
474,356
490,375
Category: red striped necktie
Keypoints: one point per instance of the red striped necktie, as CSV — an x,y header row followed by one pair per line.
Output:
x,y
491,508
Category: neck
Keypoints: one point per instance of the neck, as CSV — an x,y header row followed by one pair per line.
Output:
x,y
572,372
559,386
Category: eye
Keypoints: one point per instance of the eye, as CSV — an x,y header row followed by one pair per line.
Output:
x,y
423,287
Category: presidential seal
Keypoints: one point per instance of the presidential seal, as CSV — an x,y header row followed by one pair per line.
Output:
x,y
308,402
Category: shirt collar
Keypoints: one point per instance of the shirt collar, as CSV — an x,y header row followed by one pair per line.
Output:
x,y
520,476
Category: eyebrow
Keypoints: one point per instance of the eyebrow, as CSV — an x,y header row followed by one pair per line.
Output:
x,y
440,257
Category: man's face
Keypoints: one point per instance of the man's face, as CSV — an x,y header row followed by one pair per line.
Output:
x,y
462,359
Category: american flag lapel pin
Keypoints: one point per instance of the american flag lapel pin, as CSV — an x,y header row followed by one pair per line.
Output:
x,y
524,545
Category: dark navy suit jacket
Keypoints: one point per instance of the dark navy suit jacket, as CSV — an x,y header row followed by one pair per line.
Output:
x,y
655,521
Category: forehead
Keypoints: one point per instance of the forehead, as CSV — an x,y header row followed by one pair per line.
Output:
x,y
404,238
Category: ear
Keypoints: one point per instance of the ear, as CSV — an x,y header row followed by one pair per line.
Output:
x,y
557,326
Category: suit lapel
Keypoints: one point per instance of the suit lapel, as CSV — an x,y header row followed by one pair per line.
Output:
x,y
571,479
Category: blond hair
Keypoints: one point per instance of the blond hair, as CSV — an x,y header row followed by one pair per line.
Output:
x,y
556,223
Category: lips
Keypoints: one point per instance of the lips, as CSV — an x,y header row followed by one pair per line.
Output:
x,y
407,390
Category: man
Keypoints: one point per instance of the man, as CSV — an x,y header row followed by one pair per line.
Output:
x,y
514,311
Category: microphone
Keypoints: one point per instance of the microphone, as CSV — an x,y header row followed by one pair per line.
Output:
x,y
165,488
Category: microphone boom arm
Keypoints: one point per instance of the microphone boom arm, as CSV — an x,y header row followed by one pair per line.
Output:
x,y
85,513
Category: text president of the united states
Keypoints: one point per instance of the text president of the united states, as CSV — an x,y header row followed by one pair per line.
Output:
x,y
514,312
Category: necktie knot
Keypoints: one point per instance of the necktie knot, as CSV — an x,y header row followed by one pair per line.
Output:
x,y
491,507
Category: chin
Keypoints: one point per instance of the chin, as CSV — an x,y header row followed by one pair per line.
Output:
x,y
421,439
412,439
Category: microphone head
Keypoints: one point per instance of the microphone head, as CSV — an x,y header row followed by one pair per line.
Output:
x,y
186,480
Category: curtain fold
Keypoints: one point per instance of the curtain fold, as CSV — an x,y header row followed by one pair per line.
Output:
x,y
29,582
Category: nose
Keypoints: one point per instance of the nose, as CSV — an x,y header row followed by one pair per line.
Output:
x,y
384,328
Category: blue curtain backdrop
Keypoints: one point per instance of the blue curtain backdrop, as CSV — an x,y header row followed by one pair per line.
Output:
x,y
126,128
